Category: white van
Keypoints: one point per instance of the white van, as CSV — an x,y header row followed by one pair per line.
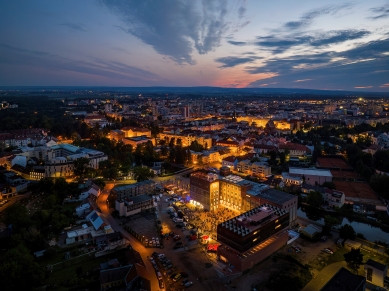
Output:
x,y
179,220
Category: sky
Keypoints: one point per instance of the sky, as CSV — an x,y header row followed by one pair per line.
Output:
x,y
315,44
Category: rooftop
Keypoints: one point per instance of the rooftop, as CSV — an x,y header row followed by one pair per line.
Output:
x,y
344,280
307,171
249,221
273,195
376,265
138,184
139,199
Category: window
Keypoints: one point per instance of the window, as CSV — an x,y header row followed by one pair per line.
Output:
x,y
369,275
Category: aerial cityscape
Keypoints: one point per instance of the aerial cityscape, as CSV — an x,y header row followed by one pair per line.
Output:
x,y
202,145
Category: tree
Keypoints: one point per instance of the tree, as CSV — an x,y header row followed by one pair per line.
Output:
x,y
172,142
381,160
315,199
81,167
196,147
329,222
282,157
142,173
273,155
100,182
347,232
380,184
19,263
329,185
17,215
354,259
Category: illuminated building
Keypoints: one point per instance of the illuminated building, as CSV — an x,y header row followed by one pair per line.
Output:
x,y
252,236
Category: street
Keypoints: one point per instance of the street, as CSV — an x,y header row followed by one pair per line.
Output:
x,y
136,245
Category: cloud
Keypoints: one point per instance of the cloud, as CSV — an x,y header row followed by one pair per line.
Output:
x,y
307,18
363,87
364,63
385,85
280,44
380,11
303,80
110,70
238,43
21,50
229,62
175,28
242,10
73,26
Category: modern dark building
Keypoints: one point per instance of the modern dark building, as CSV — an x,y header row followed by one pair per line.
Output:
x,y
252,236
344,280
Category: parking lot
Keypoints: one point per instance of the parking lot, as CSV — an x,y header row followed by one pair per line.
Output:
x,y
146,228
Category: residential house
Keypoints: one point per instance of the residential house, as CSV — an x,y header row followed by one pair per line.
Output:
x,y
334,198
372,149
121,278
376,273
92,190
134,141
295,150
136,131
231,162
289,179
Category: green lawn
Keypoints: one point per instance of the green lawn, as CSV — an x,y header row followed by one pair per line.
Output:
x,y
338,256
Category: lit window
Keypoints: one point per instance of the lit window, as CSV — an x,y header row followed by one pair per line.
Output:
x,y
278,226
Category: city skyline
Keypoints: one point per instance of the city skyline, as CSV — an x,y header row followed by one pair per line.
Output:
x,y
331,46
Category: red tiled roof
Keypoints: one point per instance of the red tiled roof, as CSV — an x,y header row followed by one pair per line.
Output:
x,y
230,159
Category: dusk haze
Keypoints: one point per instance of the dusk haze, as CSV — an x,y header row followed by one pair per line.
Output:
x,y
329,45
205,145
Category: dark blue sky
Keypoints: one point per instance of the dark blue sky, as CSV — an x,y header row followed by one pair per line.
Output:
x,y
282,43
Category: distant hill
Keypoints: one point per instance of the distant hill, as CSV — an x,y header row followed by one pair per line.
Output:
x,y
57,90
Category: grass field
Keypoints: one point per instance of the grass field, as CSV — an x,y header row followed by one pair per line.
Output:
x,y
338,257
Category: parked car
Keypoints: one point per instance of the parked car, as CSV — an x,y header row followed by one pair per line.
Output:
x,y
161,285
328,251
177,277
188,284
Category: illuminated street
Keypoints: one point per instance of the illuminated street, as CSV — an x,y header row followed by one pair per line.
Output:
x,y
136,245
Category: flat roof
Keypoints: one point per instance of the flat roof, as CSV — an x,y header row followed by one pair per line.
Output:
x,y
140,198
273,195
307,171
344,280
137,184
241,224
